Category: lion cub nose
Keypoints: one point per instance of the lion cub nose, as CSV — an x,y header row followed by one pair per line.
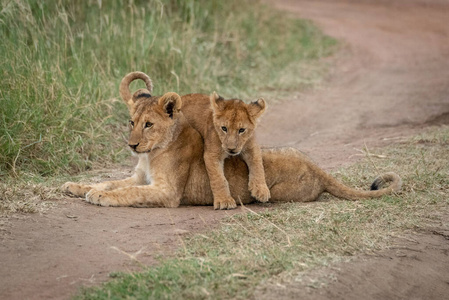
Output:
x,y
232,150
133,146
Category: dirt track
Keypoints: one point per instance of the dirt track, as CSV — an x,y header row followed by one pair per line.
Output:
x,y
390,81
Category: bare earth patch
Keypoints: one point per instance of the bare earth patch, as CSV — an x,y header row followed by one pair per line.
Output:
x,y
390,81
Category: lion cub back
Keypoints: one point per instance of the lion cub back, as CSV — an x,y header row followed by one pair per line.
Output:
x,y
198,112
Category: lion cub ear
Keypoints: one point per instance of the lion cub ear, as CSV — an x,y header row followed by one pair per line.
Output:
x,y
170,103
257,108
217,102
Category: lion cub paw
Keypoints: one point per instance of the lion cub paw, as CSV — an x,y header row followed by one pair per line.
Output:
x,y
75,189
260,191
102,198
224,203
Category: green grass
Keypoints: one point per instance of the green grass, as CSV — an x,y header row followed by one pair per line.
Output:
x,y
61,63
277,244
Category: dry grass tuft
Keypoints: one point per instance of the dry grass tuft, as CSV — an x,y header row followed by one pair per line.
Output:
x,y
25,198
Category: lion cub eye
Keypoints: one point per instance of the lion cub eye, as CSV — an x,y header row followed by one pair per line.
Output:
x,y
131,123
148,125
242,130
224,129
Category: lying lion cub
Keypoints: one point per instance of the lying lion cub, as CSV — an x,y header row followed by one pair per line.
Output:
x,y
171,169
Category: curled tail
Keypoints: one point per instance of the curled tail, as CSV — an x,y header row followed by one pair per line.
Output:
x,y
340,190
125,93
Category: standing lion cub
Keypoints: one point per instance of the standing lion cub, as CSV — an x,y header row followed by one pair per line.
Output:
x,y
227,127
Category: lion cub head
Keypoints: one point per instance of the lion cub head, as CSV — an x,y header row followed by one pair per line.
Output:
x,y
235,121
153,119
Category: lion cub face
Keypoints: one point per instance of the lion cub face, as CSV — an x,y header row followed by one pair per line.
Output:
x,y
152,121
235,121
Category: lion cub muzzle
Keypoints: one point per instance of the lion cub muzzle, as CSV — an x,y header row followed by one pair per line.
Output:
x,y
232,151
231,143
134,146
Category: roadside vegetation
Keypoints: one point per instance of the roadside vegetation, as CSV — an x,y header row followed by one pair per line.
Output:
x,y
278,244
62,61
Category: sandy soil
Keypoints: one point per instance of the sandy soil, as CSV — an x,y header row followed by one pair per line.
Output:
x,y
390,80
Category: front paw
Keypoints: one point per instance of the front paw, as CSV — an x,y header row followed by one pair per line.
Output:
x,y
224,203
75,189
102,198
260,191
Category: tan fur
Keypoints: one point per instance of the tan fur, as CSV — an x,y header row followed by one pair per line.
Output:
x,y
209,115
171,168
227,128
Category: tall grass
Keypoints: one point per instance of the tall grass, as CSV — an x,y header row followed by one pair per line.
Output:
x,y
61,63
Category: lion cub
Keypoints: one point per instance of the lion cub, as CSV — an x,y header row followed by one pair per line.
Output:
x,y
227,127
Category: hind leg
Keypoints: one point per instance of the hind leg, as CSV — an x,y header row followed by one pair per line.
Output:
x,y
295,191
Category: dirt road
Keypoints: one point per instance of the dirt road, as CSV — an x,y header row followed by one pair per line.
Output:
x,y
390,80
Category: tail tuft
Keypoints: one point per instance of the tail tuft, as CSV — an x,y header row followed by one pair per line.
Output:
x,y
376,184
380,181
130,77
